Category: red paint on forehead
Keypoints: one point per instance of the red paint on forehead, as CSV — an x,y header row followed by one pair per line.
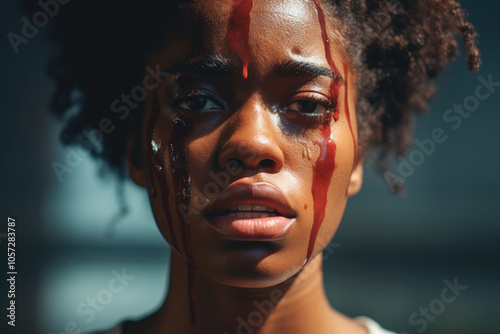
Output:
x,y
238,31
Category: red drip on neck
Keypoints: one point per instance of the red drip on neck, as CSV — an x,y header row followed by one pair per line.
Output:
x,y
192,294
238,31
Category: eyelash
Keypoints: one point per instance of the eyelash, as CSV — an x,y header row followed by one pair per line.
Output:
x,y
178,98
328,104
311,97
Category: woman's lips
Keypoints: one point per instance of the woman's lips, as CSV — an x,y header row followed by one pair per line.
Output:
x,y
251,211
270,228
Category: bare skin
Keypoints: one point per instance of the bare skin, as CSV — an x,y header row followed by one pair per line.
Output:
x,y
303,307
269,123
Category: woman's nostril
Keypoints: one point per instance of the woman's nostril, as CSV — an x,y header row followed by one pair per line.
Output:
x,y
267,163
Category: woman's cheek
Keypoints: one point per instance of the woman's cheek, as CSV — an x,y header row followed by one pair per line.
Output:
x,y
336,192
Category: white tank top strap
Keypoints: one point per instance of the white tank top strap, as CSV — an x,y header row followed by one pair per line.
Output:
x,y
372,326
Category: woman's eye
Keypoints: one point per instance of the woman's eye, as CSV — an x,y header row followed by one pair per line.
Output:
x,y
197,104
305,106
309,110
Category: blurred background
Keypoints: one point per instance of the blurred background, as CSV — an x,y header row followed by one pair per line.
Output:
x,y
392,255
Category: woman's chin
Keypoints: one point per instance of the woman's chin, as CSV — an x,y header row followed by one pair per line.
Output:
x,y
251,268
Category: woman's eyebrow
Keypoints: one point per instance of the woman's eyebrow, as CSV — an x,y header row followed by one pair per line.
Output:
x,y
295,68
211,65
218,66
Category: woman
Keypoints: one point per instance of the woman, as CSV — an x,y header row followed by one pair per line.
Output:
x,y
249,130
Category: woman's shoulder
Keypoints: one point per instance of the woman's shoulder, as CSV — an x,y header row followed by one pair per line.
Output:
x,y
372,326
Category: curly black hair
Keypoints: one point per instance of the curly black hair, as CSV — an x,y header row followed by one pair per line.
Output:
x,y
397,47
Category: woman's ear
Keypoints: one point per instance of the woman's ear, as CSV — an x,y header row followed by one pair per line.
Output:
x,y
135,162
356,179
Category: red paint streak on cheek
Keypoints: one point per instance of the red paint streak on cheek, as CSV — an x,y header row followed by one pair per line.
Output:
x,y
238,31
348,114
180,173
322,176
325,165
335,84
182,187
178,169
156,160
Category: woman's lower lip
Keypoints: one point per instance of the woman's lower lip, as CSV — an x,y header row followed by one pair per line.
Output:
x,y
236,228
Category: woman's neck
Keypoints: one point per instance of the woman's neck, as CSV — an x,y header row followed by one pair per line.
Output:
x,y
298,305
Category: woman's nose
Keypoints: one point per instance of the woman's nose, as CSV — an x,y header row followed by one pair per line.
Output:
x,y
252,138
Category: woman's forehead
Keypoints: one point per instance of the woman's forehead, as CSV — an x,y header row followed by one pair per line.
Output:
x,y
294,8
270,15
281,30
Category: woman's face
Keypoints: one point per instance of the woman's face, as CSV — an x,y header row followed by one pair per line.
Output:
x,y
248,177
